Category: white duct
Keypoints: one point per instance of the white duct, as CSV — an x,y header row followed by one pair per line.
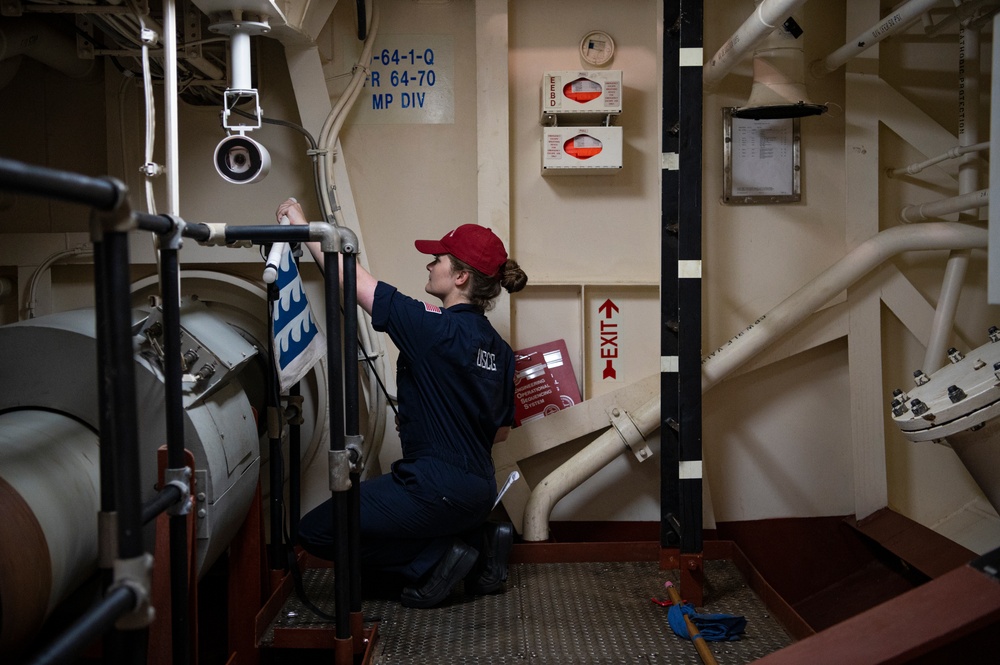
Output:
x,y
897,21
858,262
594,457
768,15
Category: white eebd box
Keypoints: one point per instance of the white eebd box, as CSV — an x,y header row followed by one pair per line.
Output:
x,y
581,150
573,92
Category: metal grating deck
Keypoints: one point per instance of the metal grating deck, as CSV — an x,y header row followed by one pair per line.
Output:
x,y
555,613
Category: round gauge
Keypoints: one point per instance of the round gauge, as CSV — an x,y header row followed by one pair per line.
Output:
x,y
597,48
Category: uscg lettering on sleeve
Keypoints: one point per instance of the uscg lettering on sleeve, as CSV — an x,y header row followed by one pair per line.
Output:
x,y
486,360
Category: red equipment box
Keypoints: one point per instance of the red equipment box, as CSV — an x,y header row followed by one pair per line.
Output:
x,y
544,382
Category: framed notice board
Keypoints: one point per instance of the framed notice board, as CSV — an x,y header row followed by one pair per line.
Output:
x,y
761,160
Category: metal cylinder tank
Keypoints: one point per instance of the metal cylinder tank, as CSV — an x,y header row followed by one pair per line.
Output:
x,y
49,446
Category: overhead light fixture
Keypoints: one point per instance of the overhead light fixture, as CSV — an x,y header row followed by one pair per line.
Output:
x,y
238,158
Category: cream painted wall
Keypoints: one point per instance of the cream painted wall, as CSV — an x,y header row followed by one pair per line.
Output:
x,y
776,440
776,437
586,239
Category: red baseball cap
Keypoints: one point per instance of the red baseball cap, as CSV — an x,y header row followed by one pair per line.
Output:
x,y
475,245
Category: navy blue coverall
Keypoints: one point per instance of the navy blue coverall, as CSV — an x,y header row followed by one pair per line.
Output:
x,y
455,385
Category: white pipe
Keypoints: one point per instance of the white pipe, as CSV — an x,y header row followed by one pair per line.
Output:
x,y
861,260
898,20
921,211
170,106
329,139
595,456
149,168
958,151
939,339
31,292
330,134
239,45
768,15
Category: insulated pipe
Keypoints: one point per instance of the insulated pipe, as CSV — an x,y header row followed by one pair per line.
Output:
x,y
897,21
860,261
919,212
768,15
595,456
968,181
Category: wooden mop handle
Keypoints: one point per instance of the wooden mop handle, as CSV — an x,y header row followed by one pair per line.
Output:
x,y
699,642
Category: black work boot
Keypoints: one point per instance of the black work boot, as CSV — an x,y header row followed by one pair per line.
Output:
x,y
449,571
490,572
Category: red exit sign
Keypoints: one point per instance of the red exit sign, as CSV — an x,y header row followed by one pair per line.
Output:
x,y
608,331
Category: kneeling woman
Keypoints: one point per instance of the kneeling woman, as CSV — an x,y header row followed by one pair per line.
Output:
x,y
426,519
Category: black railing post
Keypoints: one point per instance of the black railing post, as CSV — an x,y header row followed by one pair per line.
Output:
x,y
352,426
339,461
177,469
